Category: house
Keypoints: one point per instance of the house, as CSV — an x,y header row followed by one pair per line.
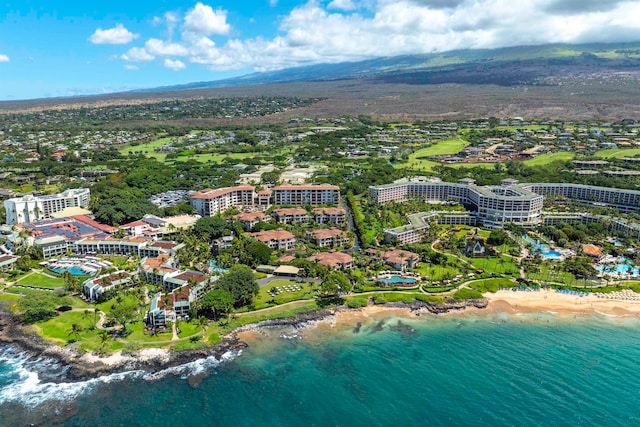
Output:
x,y
335,260
328,237
155,269
291,215
250,219
329,215
135,228
276,239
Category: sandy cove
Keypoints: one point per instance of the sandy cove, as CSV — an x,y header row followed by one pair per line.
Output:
x,y
552,301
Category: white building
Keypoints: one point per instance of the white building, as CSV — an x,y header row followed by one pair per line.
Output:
x,y
33,208
211,202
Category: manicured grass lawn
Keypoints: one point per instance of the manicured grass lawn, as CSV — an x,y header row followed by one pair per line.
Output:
x,y
8,297
139,334
264,299
59,327
491,285
25,291
545,159
188,329
507,266
547,274
147,148
617,153
448,146
37,280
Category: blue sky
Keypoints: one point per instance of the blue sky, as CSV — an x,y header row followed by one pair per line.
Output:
x,y
52,48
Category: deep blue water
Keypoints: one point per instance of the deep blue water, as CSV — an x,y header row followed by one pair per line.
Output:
x,y
491,369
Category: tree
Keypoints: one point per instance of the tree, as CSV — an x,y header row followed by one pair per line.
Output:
x,y
219,301
241,283
24,263
37,307
75,330
335,283
210,227
123,311
255,253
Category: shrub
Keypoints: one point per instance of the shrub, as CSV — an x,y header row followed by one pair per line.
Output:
x,y
464,294
357,302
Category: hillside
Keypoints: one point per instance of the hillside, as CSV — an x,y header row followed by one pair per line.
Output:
x,y
597,81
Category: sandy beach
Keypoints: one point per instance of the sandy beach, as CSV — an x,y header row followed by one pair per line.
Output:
x,y
551,301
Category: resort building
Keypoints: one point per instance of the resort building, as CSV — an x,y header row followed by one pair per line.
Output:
x,y
396,258
276,239
329,215
212,202
55,237
420,223
251,219
291,215
263,198
140,246
493,205
93,288
308,194
33,208
335,260
7,261
328,237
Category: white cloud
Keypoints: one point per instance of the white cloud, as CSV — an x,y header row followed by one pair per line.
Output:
x,y
315,33
137,54
203,20
162,48
116,35
342,5
4,58
174,65
273,3
130,67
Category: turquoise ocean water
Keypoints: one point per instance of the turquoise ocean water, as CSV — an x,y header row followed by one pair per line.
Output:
x,y
478,370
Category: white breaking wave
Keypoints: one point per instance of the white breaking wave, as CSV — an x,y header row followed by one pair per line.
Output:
x,y
29,390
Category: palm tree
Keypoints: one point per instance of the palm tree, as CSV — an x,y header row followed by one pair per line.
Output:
x,y
75,330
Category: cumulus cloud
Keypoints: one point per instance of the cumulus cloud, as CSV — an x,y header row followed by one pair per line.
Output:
x,y
174,65
323,31
4,58
204,21
138,54
116,35
162,48
342,5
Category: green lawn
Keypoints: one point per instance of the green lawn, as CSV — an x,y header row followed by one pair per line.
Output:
x,y
139,334
448,146
188,329
491,285
9,297
37,280
545,159
147,148
25,291
502,265
59,327
265,300
617,153
547,274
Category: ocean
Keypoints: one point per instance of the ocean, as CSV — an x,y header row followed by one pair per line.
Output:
x,y
471,370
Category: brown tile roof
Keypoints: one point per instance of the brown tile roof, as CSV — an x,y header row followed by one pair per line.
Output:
x,y
592,250
213,193
331,259
198,277
290,211
251,216
397,256
164,245
267,236
327,233
329,211
286,258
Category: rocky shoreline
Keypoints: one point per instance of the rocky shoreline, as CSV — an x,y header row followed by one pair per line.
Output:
x,y
80,368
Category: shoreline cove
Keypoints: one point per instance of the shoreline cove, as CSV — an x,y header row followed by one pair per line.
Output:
x,y
58,374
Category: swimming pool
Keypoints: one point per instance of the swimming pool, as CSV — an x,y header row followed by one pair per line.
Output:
x,y
76,271
620,269
551,254
543,250
397,280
